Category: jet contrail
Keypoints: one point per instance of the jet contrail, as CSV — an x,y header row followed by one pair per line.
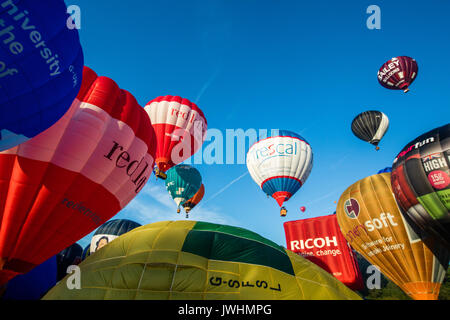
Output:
x,y
207,84
224,188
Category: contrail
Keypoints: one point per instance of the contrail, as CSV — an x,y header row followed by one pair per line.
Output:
x,y
207,84
225,188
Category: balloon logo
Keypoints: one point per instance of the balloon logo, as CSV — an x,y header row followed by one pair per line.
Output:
x,y
351,207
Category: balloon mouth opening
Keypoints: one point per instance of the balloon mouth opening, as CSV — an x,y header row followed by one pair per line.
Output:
x,y
281,197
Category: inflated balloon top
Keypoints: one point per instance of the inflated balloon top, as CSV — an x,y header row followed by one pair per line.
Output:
x,y
370,126
180,128
398,73
280,164
179,260
41,64
61,185
421,181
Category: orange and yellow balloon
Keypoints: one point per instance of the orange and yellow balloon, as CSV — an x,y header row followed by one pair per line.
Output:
x,y
372,223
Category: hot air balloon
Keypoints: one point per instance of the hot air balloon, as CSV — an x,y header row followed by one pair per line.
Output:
x,y
370,126
373,225
109,231
280,164
398,73
182,183
302,209
321,241
421,182
192,202
387,169
61,185
68,257
180,260
180,128
41,65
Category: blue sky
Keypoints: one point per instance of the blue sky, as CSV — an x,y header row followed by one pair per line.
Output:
x,y
304,66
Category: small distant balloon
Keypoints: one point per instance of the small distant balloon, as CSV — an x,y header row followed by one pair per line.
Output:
x,y
398,73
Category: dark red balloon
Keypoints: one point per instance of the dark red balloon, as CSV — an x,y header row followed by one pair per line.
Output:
x,y
302,209
398,73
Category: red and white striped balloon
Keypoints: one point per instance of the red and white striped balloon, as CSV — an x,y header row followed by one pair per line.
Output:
x,y
180,128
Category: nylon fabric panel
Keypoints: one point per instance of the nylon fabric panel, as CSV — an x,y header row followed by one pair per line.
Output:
x,y
147,263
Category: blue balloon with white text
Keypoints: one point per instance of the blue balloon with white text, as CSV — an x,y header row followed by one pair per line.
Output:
x,y
41,64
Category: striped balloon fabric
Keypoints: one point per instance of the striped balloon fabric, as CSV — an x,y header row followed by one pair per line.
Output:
x,y
370,126
280,164
180,128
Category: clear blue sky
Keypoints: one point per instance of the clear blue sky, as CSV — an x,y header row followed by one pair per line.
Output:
x,y
304,66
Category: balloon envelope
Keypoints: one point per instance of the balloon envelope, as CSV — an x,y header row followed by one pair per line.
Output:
x,y
370,126
398,73
321,241
280,164
387,169
372,223
421,182
180,128
181,260
71,178
41,64
196,198
183,182
109,231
